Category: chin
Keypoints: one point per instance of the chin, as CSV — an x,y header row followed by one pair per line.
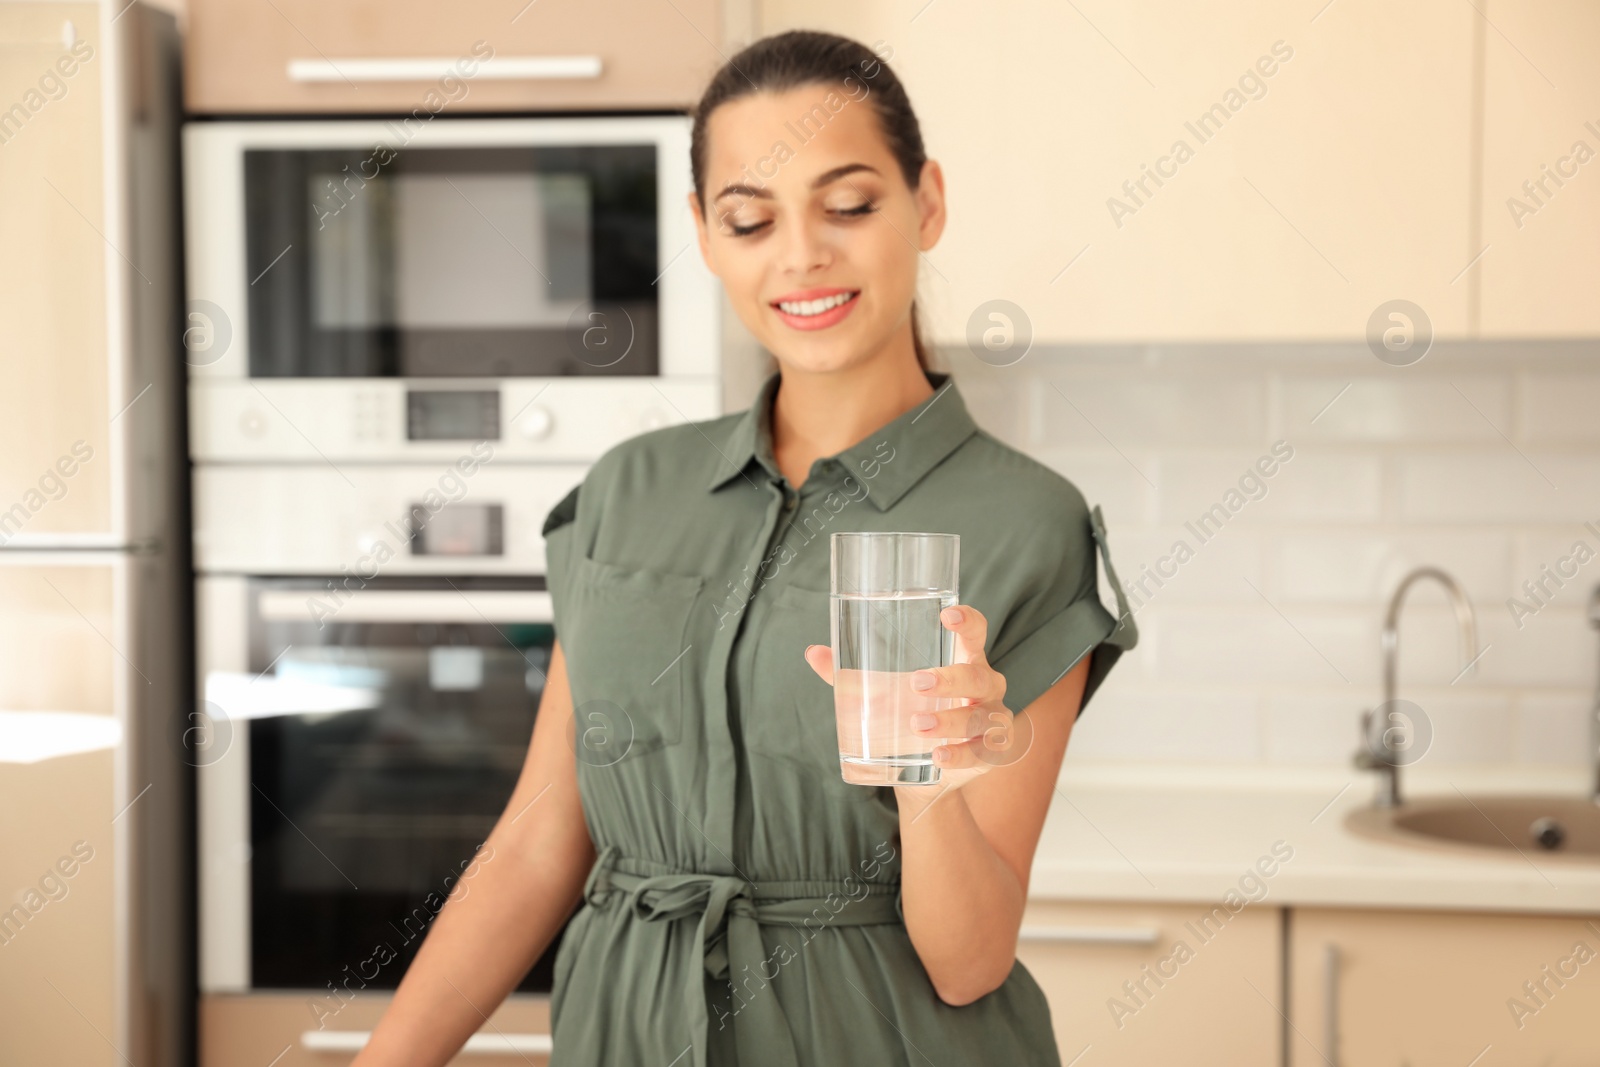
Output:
x,y
812,357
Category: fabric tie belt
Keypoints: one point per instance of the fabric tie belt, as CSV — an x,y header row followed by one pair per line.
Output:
x,y
732,912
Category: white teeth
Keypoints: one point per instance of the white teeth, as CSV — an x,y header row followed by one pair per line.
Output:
x,y
814,307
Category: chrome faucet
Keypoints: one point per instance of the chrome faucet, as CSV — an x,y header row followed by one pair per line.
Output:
x,y
1379,753
1594,713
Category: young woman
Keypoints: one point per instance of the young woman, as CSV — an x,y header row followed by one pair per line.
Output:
x,y
742,904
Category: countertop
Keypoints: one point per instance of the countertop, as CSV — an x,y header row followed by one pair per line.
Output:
x,y
1183,834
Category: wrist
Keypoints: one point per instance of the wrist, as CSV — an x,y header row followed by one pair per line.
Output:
x,y
914,800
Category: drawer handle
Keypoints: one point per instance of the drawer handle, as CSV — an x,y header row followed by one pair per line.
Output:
x,y
431,68
1091,935
477,1044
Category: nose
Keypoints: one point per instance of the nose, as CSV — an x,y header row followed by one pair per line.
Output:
x,y
805,249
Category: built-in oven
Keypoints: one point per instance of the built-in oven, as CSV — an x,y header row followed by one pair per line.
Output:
x,y
362,743
371,288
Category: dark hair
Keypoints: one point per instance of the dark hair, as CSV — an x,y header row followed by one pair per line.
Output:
x,y
803,57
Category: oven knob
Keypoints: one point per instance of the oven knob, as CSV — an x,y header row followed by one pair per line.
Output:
x,y
252,423
653,419
536,424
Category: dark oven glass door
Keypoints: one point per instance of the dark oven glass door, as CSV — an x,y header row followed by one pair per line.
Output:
x,y
452,262
396,725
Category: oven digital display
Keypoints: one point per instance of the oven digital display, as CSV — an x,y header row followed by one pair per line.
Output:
x,y
452,415
458,530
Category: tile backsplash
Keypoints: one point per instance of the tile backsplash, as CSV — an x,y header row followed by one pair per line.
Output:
x,y
1260,637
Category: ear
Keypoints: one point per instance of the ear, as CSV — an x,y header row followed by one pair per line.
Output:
x,y
930,205
702,231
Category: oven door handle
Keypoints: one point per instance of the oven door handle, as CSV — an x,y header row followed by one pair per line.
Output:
x,y
407,605
495,1044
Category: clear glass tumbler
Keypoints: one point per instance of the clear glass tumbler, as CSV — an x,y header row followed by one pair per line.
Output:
x,y
887,592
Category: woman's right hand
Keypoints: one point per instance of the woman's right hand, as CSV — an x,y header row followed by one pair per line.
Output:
x,y
483,941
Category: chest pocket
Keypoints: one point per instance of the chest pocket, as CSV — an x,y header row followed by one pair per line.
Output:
x,y
791,718
626,643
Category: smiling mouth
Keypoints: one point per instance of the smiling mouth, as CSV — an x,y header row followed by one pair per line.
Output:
x,y
805,309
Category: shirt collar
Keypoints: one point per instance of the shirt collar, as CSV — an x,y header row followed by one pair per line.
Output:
x,y
890,460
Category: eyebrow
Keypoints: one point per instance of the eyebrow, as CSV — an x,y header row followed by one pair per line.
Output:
x,y
753,193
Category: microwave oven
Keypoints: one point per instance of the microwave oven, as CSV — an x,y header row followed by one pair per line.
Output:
x,y
383,290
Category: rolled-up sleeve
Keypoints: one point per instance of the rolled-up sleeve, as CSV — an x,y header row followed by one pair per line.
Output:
x,y
1051,631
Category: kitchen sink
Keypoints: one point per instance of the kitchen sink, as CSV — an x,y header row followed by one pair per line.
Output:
x,y
1539,827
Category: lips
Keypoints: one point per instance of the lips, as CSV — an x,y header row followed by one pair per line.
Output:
x,y
815,309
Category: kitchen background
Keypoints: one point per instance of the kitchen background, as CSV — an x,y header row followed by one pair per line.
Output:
x,y
1376,260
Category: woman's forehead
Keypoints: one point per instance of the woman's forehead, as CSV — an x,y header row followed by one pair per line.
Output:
x,y
792,137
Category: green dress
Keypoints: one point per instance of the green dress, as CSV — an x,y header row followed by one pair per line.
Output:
x,y
745,905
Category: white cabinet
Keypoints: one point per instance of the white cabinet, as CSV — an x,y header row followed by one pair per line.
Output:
x,y
58,844
1440,989
1332,175
1541,170
56,433
422,58
1140,984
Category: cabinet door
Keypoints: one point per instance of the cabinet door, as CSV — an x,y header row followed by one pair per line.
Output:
x,y
1328,183
1162,983
1431,989
55,426
58,855
1541,170
307,1030
306,55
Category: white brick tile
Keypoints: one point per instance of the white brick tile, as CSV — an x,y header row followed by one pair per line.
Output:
x,y
1554,408
1313,727
1210,573
1403,470
1397,408
1257,646
1553,729
1107,479
1468,729
1313,566
1555,648
1563,567
1143,725
1145,410
1000,407
1497,485
1310,486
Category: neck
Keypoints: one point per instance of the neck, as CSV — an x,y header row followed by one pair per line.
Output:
x,y
821,413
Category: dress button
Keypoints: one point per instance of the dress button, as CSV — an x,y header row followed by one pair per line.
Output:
x,y
789,502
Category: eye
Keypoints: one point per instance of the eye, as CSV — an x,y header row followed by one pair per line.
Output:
x,y
856,212
746,231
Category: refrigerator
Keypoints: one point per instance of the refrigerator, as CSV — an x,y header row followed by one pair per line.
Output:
x,y
98,732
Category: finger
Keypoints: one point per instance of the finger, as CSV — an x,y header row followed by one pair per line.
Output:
x,y
961,723
977,682
959,756
820,657
971,630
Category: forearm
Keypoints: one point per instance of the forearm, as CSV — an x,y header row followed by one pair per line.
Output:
x,y
962,902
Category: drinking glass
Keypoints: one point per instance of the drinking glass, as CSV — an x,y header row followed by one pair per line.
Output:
x,y
887,590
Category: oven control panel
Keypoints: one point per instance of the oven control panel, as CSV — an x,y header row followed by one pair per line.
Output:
x,y
554,419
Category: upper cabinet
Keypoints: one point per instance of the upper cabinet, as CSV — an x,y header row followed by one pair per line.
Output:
x,y
405,56
1158,171
1541,170
56,420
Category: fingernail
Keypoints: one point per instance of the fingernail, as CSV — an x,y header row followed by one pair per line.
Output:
x,y
941,754
922,680
952,615
924,721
